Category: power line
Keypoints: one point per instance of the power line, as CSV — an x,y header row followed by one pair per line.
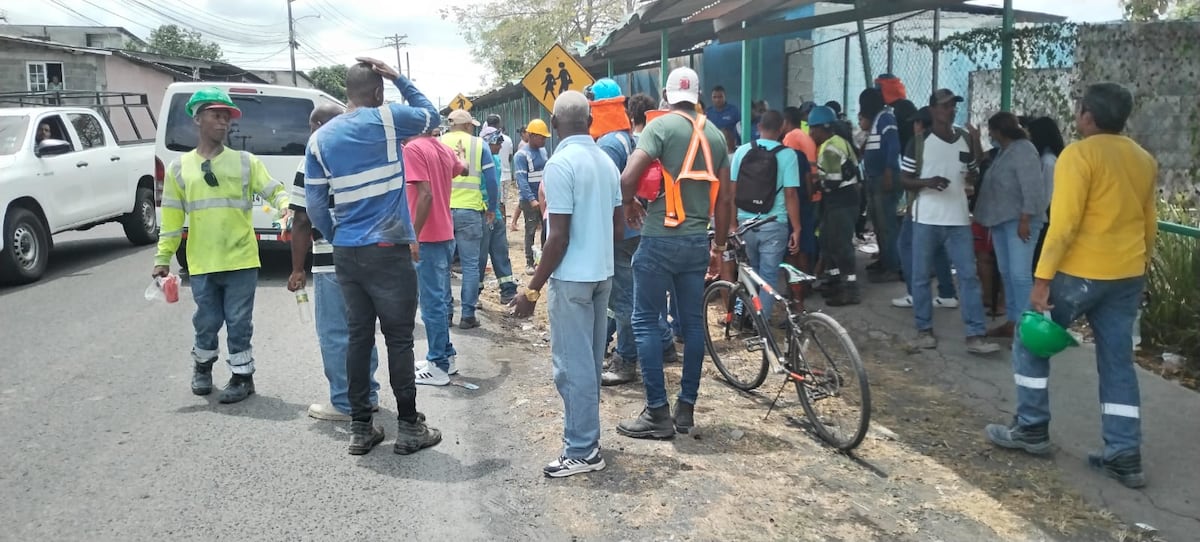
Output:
x,y
220,35
220,19
338,16
68,9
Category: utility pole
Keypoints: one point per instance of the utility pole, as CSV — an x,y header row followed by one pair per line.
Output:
x,y
397,41
292,42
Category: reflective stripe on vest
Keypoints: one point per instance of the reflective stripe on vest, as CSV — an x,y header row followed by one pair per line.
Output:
x,y
243,204
466,191
675,214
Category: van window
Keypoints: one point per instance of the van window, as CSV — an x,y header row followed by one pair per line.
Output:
x,y
269,126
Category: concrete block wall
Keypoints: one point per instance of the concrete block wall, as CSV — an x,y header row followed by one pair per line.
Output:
x,y
80,71
1160,64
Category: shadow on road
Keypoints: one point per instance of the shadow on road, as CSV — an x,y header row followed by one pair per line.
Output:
x,y
75,257
262,407
430,465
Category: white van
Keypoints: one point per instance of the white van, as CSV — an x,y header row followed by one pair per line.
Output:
x,y
273,127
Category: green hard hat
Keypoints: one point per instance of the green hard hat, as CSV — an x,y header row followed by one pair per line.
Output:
x,y
1042,336
213,97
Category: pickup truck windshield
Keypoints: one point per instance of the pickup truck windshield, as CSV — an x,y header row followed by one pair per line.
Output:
x,y
270,125
12,133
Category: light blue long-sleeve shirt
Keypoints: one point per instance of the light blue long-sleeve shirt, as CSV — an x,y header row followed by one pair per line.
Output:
x,y
527,167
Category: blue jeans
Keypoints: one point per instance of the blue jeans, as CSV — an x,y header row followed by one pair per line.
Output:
x,y
578,313
621,303
495,245
883,216
468,238
225,297
1110,307
676,264
333,334
433,283
941,263
766,246
960,247
1015,258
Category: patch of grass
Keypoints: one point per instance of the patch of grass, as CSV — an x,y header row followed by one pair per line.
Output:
x,y
1170,321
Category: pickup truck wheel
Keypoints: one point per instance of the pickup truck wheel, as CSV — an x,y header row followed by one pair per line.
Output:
x,y
141,226
26,247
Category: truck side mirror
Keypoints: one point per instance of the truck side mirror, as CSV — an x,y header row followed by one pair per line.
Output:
x,y
51,147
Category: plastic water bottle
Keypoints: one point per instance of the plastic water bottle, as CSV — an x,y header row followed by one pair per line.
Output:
x,y
537,255
303,306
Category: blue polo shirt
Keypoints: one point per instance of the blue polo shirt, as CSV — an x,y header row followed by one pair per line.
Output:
x,y
582,181
726,118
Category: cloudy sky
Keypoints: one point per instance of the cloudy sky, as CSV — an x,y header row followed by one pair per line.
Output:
x,y
253,33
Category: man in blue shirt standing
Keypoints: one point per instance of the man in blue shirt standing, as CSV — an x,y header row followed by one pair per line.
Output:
x,y
725,116
583,196
527,167
881,164
357,158
766,244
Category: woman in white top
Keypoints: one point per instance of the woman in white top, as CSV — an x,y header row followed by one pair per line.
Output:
x,y
1048,140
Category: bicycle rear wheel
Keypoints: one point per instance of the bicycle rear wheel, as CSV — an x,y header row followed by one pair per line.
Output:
x,y
733,340
830,380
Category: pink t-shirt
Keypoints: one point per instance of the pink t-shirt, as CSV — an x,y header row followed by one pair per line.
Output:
x,y
427,160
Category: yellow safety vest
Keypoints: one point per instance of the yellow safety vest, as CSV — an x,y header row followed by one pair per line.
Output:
x,y
466,191
220,233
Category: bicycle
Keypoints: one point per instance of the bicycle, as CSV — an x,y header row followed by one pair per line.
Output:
x,y
825,392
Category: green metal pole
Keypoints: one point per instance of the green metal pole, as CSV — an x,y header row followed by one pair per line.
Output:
x,y
846,73
862,48
610,68
746,80
758,71
1006,58
666,52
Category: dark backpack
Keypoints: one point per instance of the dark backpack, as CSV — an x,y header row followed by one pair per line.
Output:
x,y
757,182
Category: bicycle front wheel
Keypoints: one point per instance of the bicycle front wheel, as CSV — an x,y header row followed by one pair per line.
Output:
x,y
830,380
732,337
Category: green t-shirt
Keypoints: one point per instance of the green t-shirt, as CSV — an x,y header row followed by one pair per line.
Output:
x,y
667,138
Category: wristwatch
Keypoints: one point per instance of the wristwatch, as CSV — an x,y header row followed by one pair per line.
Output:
x,y
532,295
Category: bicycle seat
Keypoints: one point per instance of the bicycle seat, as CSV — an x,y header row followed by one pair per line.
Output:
x,y
751,224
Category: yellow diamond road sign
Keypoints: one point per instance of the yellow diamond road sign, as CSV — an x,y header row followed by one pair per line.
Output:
x,y
556,73
460,102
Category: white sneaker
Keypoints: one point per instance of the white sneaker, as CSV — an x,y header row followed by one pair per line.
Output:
x,y
428,374
453,366
563,466
945,302
903,302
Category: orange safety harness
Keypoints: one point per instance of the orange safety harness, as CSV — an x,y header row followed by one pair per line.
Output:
x,y
675,213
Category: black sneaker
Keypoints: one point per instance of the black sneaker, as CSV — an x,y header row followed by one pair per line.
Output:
x,y
505,299
363,437
468,322
684,421
1034,439
238,389
652,423
202,377
1125,468
564,466
413,437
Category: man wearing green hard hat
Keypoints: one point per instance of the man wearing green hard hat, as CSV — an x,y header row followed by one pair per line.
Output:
x,y
211,187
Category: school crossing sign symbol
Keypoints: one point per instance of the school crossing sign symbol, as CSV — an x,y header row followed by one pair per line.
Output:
x,y
556,73
461,102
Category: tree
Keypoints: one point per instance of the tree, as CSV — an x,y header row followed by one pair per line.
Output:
x,y
171,40
1154,10
330,79
510,36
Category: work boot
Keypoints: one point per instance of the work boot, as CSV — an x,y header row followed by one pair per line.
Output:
x,y
238,389
202,377
652,423
619,372
670,355
1125,468
412,437
468,322
683,417
846,294
1034,439
363,437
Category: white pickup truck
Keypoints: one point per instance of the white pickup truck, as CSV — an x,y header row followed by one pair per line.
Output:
x,y
62,169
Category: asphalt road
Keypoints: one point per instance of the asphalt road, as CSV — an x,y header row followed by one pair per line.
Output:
x,y
103,440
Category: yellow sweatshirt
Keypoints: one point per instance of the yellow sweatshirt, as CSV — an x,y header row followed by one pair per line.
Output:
x,y
1103,217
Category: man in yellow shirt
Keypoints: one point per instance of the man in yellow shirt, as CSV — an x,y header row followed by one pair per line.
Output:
x,y
212,187
1093,264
